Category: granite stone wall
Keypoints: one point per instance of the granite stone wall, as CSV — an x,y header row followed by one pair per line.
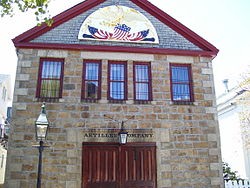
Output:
x,y
187,136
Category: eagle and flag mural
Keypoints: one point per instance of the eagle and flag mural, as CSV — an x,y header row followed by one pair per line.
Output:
x,y
118,23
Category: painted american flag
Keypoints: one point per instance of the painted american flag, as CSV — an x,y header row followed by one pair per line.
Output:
x,y
98,33
121,33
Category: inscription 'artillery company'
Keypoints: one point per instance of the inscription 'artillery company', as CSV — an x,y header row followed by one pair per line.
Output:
x,y
113,135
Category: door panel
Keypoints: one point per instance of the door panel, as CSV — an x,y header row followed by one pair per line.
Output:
x,y
139,167
108,165
100,167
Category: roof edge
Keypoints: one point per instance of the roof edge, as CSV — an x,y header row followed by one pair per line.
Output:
x,y
58,19
176,25
144,4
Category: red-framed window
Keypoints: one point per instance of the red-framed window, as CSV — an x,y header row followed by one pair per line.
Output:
x,y
181,83
117,80
50,78
142,81
91,82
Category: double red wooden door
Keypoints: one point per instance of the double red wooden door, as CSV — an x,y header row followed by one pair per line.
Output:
x,y
119,166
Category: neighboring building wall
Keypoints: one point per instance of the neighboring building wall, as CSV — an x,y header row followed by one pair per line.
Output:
x,y
3,157
244,115
187,136
231,136
5,102
233,112
5,96
247,159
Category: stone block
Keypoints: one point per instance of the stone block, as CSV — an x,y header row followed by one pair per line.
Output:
x,y
166,175
118,56
28,167
180,59
207,71
207,83
12,184
25,63
209,97
23,77
212,137
53,53
71,135
69,86
15,167
21,91
72,169
25,51
214,151
72,153
216,181
215,166
21,106
160,57
205,59
17,175
71,184
211,110
163,135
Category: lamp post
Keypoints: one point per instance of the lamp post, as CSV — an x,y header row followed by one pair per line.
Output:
x,y
41,125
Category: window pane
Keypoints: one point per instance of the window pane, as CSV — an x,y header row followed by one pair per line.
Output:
x,y
141,73
142,91
91,90
51,69
180,74
50,88
117,90
117,72
117,81
92,71
51,73
142,82
91,80
181,92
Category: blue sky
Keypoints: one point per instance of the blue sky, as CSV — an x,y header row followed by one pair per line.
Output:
x,y
224,23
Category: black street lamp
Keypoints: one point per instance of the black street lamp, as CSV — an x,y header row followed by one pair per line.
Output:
x,y
123,135
41,125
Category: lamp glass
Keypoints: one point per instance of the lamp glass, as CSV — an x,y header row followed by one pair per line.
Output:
x,y
123,137
41,131
41,125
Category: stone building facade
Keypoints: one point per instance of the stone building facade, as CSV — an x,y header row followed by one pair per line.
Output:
x,y
173,135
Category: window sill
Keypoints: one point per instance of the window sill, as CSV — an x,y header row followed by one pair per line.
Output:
x,y
90,100
183,103
142,102
51,100
117,101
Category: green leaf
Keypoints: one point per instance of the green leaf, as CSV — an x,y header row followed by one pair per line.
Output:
x,y
41,12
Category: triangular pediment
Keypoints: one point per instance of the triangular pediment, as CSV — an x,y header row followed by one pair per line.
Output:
x,y
136,26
